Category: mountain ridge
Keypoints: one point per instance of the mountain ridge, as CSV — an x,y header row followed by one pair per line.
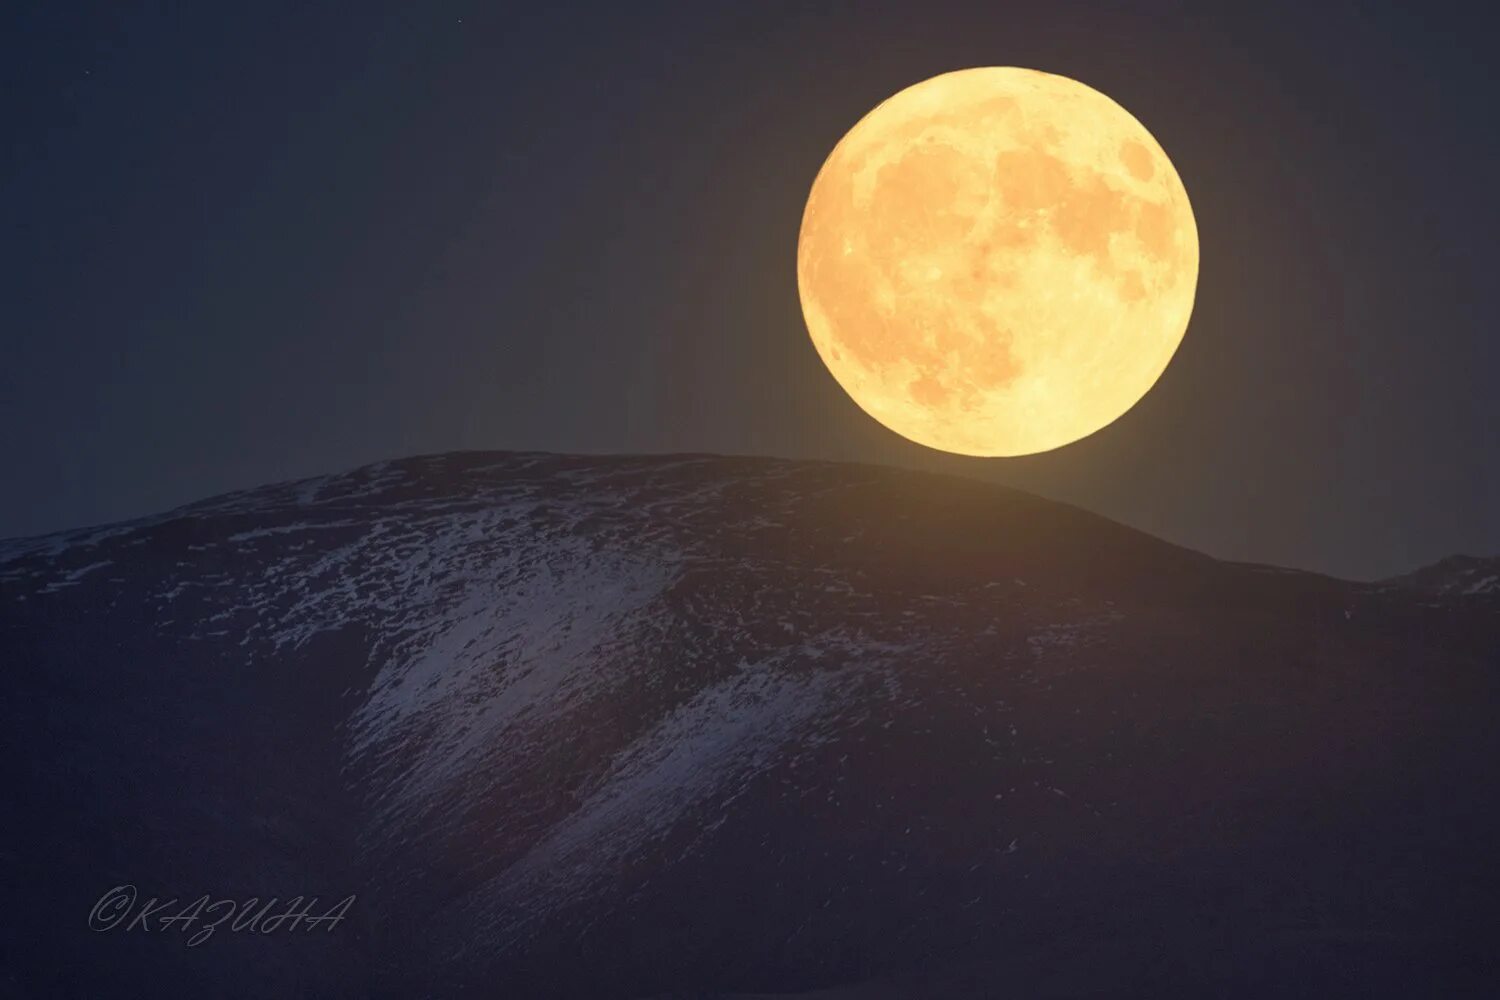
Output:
x,y
596,726
12,546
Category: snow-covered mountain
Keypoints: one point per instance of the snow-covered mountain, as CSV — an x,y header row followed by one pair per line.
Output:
x,y
1455,576
620,727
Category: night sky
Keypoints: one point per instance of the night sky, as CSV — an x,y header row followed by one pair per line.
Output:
x,y
256,243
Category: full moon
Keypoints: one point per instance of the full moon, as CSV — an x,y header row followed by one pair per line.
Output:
x,y
997,261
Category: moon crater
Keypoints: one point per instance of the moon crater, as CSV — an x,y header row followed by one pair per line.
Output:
x,y
997,261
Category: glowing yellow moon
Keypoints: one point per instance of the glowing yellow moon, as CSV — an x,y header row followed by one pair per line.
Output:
x,y
997,261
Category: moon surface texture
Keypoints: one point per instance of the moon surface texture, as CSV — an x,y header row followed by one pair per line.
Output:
x,y
997,261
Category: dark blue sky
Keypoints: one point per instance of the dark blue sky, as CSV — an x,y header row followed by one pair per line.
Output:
x,y
254,244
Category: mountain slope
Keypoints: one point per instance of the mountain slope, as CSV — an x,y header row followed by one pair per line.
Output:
x,y
584,726
1456,576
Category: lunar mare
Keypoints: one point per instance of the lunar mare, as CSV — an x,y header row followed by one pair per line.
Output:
x,y
997,261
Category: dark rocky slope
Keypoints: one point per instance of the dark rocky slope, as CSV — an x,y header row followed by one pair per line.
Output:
x,y
618,727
